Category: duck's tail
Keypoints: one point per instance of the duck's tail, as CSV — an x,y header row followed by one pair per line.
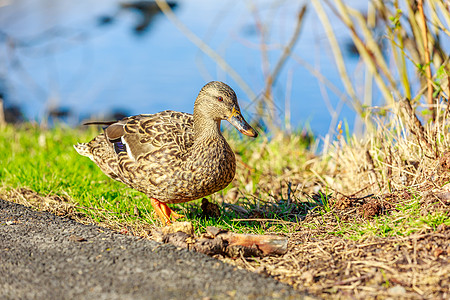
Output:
x,y
83,149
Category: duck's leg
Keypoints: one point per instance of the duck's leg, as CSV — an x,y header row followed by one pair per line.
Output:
x,y
175,216
164,212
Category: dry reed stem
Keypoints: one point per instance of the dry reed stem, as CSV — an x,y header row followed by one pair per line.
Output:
x,y
427,57
2,114
370,42
368,50
338,57
445,14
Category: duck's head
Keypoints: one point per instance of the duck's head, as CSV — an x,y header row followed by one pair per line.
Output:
x,y
218,101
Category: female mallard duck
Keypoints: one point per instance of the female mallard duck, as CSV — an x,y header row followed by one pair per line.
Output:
x,y
170,156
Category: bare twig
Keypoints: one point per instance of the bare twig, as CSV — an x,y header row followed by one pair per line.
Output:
x,y
165,8
218,241
271,79
263,220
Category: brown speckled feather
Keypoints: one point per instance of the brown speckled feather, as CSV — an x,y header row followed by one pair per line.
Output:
x,y
168,155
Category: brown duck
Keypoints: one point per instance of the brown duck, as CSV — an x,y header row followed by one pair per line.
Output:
x,y
171,156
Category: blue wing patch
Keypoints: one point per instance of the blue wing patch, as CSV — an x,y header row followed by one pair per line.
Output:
x,y
118,145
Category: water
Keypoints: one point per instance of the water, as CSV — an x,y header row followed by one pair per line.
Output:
x,y
87,57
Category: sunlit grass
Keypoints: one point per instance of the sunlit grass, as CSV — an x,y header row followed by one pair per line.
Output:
x,y
45,162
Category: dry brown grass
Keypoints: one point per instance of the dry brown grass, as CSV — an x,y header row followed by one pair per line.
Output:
x,y
412,267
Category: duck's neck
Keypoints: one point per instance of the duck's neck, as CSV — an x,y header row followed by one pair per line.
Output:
x,y
205,127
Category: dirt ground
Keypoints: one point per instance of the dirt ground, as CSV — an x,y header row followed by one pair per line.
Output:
x,y
413,267
416,266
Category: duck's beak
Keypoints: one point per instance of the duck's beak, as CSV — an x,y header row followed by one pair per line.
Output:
x,y
238,121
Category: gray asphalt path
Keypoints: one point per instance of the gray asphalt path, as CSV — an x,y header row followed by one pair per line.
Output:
x,y
43,256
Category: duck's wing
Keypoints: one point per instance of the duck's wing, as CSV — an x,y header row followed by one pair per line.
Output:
x,y
141,135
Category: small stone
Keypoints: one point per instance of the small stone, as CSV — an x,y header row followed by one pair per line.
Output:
x,y
438,252
232,195
441,228
136,211
77,238
445,196
307,276
396,290
214,231
185,227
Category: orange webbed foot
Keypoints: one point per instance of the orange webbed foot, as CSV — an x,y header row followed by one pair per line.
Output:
x,y
165,214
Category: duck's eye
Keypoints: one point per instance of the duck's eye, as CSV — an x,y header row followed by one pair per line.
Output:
x,y
220,99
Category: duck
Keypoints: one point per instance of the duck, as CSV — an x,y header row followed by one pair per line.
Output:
x,y
172,157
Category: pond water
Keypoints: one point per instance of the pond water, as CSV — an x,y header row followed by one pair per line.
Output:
x,y
93,58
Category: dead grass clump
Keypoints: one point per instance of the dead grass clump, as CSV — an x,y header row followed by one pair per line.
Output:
x,y
401,155
276,167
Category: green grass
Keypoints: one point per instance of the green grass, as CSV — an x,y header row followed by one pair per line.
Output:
x,y
46,162
403,220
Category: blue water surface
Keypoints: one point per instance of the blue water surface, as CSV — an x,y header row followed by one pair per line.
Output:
x,y
87,57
